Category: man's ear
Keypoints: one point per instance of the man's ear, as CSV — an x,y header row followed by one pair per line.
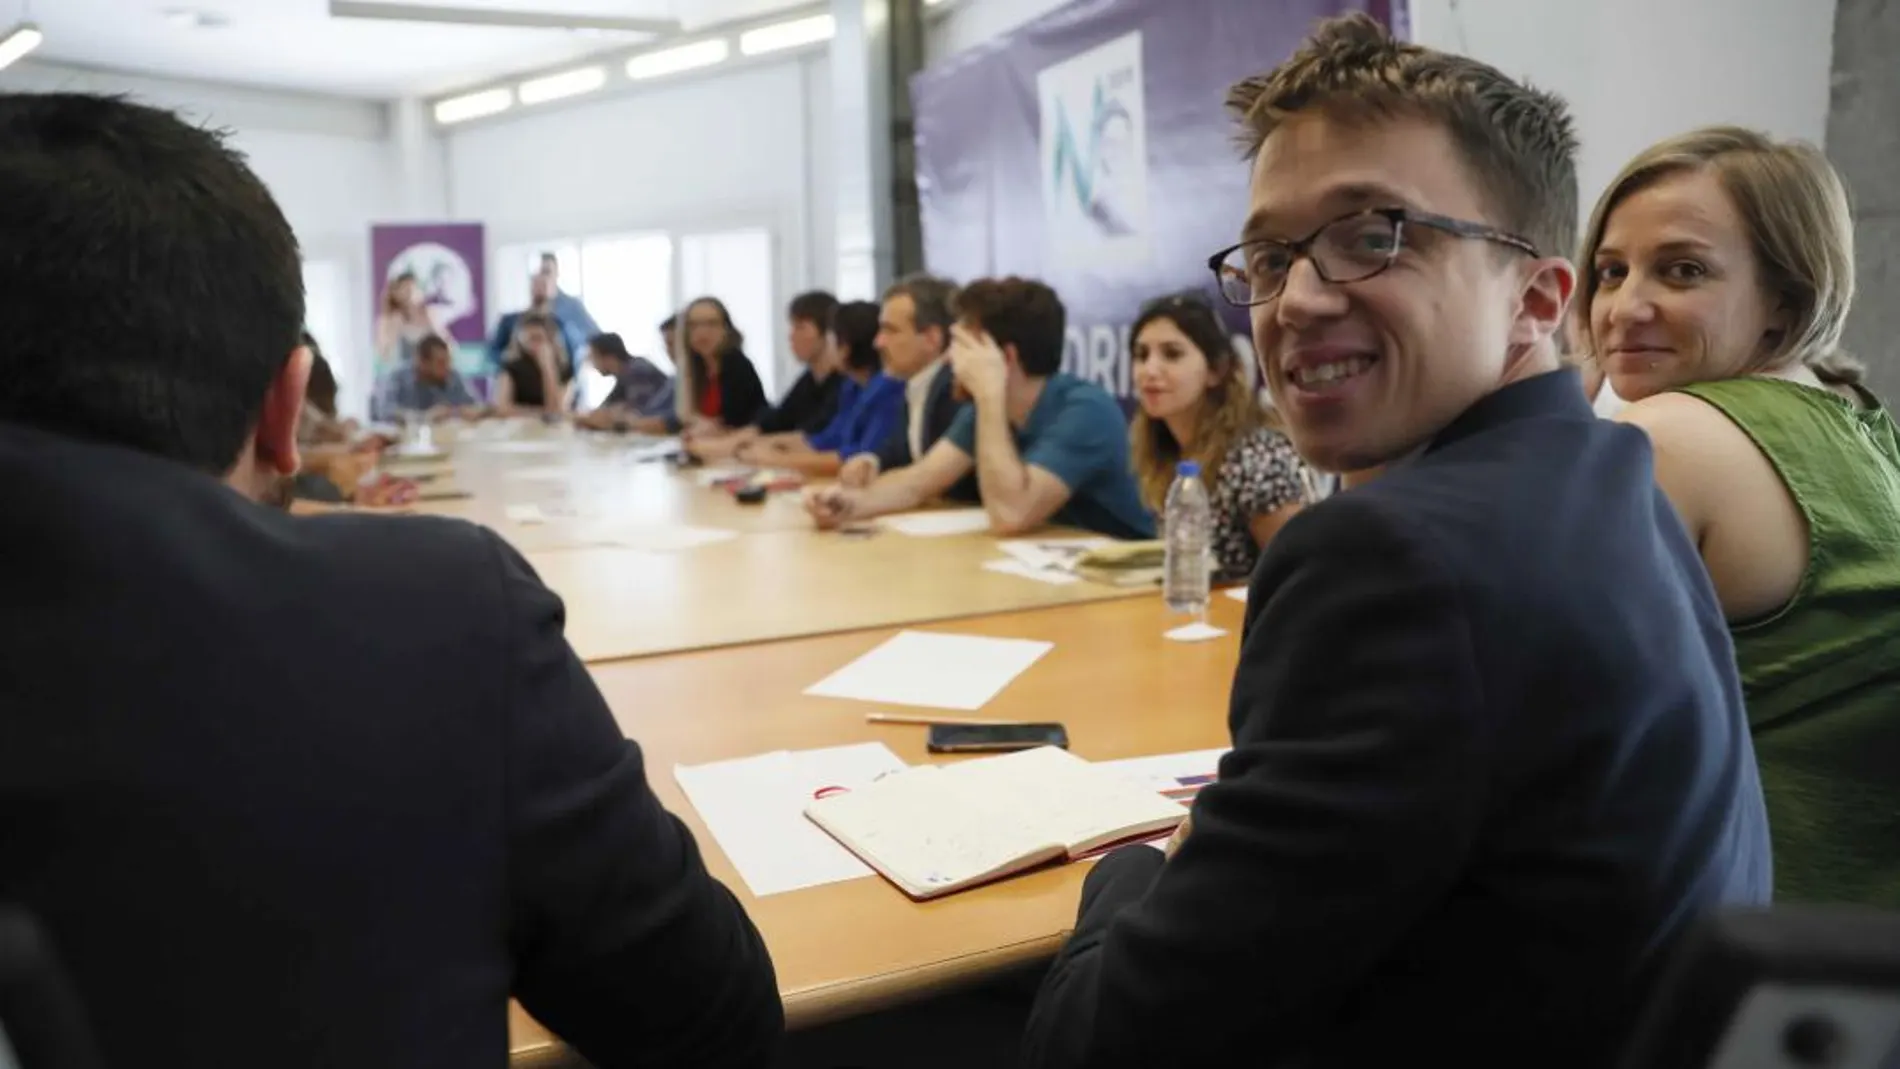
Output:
x,y
1010,356
1546,298
276,437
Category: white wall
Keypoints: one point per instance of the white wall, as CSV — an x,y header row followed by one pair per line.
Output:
x,y
744,147
327,161
1637,71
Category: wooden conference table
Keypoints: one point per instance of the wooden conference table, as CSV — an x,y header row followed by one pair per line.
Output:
x,y
704,652
851,948
771,577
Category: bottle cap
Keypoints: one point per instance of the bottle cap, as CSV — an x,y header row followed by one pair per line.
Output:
x,y
1188,469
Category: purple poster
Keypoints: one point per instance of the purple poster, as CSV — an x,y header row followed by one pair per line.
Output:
x,y
1091,149
447,261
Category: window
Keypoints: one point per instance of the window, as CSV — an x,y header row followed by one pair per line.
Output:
x,y
327,318
632,281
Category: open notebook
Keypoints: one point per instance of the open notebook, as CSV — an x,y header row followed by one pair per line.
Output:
x,y
935,829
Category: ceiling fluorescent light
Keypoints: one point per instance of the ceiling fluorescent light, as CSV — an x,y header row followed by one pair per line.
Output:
x,y
473,105
784,35
18,42
493,14
566,84
674,60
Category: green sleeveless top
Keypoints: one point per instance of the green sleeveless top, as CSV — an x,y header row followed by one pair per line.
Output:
x,y
1822,673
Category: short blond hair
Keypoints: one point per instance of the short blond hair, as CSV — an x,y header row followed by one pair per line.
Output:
x,y
1800,227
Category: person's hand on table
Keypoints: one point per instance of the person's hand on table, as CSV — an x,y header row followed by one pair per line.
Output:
x,y
385,491
831,506
1180,835
859,471
978,363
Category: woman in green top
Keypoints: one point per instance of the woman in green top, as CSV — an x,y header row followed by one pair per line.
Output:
x,y
1718,271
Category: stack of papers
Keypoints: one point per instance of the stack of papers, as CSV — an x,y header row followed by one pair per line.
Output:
x,y
755,809
1045,560
932,670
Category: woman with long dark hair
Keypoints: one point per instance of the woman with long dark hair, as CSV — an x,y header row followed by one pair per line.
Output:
x,y
721,389
1196,405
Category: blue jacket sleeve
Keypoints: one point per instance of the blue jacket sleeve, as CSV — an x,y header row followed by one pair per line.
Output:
x,y
880,415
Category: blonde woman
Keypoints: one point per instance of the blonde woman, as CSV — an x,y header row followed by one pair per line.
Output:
x,y
1718,272
1196,405
403,321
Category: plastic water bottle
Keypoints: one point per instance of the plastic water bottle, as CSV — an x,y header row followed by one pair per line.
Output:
x,y
1185,534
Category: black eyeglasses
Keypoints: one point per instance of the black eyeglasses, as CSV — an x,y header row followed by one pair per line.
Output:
x,y
1351,248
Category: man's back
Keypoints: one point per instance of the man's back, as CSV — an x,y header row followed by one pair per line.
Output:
x,y
1490,758
327,791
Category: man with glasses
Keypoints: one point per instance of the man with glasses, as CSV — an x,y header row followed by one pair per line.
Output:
x,y
1489,750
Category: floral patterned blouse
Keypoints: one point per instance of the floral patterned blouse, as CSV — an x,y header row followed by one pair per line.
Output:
x,y
1260,474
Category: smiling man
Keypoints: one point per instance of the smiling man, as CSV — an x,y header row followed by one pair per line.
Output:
x,y
1489,752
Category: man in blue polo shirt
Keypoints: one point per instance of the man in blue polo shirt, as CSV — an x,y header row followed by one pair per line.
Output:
x,y
1046,446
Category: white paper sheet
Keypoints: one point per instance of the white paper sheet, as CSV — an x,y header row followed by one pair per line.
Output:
x,y
939,522
1027,571
651,451
715,476
547,473
1194,632
932,670
524,447
1237,593
527,514
755,809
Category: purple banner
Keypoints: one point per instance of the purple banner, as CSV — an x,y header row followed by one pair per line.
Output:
x,y
449,263
1091,149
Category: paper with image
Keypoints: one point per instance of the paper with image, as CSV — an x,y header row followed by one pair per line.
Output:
x,y
755,809
1052,554
933,670
1178,775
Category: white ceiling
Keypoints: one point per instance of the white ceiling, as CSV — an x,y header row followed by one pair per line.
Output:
x,y
296,44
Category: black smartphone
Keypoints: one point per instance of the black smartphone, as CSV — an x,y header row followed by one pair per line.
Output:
x,y
994,738
751,495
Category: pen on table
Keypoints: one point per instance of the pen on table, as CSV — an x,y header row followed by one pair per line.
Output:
x,y
895,718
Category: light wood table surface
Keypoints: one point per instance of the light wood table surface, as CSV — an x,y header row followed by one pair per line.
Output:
x,y
577,478
851,948
779,578
786,584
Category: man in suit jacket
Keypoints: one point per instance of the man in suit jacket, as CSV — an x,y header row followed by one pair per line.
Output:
x,y
913,340
1490,755
293,792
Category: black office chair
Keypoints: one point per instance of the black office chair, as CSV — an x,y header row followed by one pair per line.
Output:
x,y
1784,988
41,1026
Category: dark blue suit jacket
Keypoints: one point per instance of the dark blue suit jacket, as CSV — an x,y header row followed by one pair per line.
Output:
x,y
1490,758
325,791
